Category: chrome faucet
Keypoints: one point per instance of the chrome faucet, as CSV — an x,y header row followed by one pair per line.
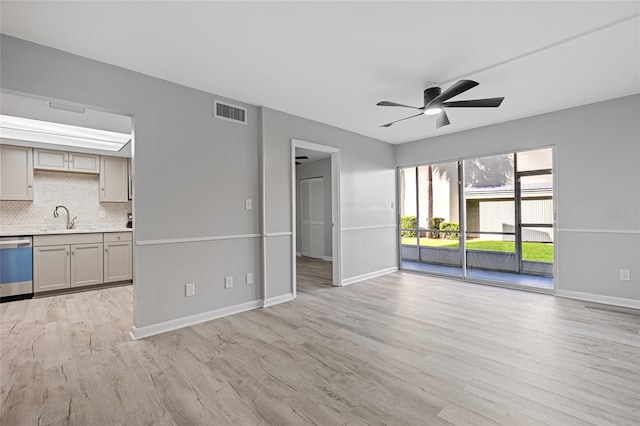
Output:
x,y
70,223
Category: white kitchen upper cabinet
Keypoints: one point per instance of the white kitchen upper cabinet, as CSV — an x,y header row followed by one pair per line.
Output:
x,y
114,180
50,160
62,161
16,173
84,163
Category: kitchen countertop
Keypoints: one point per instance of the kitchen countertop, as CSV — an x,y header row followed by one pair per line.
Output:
x,y
62,231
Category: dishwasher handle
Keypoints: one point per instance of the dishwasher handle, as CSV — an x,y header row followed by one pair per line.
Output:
x,y
14,242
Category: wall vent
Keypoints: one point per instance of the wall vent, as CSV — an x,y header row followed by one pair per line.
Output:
x,y
226,111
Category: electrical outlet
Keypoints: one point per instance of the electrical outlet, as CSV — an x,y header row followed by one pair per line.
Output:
x,y
228,282
392,204
249,278
625,275
189,289
248,204
102,214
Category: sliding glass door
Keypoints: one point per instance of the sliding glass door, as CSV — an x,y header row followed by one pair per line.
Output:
x,y
487,218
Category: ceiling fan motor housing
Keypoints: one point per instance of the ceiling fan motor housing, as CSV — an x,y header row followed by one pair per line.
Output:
x,y
430,94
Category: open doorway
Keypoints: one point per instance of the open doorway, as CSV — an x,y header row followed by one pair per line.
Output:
x,y
315,195
66,197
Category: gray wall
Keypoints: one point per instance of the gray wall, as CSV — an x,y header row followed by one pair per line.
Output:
x,y
597,152
367,183
315,169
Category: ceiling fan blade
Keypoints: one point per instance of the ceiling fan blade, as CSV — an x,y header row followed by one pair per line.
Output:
x,y
387,103
474,103
402,119
302,157
459,87
442,120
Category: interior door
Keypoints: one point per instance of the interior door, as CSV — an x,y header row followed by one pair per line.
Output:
x,y
312,217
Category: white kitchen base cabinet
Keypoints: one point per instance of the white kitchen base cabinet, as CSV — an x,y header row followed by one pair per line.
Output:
x,y
118,257
67,261
86,264
51,268
117,262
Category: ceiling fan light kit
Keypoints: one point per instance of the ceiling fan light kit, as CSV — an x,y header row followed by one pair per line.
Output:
x,y
435,102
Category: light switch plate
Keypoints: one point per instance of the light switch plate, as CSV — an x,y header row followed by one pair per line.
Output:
x,y
190,289
625,275
102,214
249,277
228,282
248,204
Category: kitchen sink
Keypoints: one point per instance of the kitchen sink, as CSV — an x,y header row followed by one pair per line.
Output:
x,y
67,231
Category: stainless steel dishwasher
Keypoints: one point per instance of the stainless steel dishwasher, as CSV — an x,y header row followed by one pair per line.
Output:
x,y
16,268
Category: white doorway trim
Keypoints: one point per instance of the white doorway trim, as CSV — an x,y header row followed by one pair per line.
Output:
x,y
335,208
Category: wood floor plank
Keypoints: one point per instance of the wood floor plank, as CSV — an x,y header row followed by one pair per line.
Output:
x,y
398,349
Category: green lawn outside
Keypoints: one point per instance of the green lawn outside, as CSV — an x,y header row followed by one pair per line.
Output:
x,y
535,252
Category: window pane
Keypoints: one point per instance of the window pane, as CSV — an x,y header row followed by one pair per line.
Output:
x,y
438,189
489,172
539,159
537,198
490,196
408,192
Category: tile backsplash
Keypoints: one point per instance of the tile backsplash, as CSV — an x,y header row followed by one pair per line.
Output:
x,y
78,192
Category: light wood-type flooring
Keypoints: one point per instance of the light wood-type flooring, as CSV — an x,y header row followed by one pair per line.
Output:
x,y
398,349
313,274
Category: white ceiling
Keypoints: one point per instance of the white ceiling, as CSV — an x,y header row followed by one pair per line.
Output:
x,y
333,61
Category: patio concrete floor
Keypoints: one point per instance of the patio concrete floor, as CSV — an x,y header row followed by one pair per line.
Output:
x,y
479,274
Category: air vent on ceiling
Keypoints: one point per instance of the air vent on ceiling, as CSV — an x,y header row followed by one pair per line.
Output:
x,y
229,112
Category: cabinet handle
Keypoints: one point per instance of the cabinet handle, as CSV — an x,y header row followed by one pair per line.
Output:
x,y
67,253
73,252
30,186
118,237
106,250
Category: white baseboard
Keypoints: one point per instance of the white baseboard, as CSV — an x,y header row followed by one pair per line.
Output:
x,y
277,300
298,254
328,258
369,275
598,298
163,327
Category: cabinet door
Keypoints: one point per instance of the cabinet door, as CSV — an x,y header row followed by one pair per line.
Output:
x,y
114,180
86,264
50,160
51,268
117,261
16,173
84,163
130,179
